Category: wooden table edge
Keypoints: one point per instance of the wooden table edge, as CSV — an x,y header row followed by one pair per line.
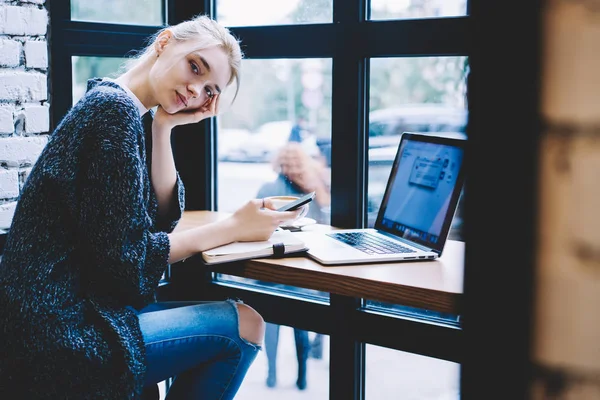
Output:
x,y
269,270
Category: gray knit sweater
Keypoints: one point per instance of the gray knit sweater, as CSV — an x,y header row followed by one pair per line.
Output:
x,y
84,251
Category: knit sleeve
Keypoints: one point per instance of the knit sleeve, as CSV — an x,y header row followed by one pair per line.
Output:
x,y
123,258
169,221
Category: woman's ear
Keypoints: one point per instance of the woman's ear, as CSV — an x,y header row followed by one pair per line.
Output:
x,y
162,40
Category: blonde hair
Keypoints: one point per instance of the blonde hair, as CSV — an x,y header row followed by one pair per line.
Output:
x,y
206,32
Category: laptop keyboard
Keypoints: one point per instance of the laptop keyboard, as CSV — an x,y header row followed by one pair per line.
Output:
x,y
370,243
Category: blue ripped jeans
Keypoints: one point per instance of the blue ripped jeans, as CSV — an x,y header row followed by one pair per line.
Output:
x,y
199,344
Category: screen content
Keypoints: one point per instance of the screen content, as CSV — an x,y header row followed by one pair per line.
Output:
x,y
419,196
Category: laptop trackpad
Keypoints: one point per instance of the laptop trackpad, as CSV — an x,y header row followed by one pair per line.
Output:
x,y
316,240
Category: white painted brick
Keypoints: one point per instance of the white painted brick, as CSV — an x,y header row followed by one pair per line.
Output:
x,y
6,214
9,184
20,122
16,20
6,119
37,119
37,24
13,20
23,175
23,86
36,54
10,53
21,151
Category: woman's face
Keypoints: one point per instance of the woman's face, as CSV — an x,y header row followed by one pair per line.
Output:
x,y
184,78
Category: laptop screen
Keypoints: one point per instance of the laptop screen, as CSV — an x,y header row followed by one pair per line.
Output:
x,y
423,189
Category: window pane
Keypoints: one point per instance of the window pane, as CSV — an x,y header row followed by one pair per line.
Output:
x,y
407,9
392,375
85,68
273,12
421,95
145,12
280,381
274,139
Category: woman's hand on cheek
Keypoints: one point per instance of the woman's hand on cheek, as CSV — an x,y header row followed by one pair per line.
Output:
x,y
165,121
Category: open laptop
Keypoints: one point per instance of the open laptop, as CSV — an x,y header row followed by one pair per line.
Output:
x,y
416,212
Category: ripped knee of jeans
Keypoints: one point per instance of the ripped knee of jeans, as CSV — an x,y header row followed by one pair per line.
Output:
x,y
251,326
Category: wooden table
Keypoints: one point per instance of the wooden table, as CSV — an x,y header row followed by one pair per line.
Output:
x,y
432,285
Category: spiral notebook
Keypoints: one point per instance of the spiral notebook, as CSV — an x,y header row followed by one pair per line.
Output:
x,y
281,243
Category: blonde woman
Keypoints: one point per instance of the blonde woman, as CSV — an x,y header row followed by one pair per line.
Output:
x,y
93,233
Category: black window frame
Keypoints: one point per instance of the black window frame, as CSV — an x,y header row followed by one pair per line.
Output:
x,y
489,30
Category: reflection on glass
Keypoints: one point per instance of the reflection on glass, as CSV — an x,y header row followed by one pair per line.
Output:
x,y
408,9
422,95
145,12
412,312
392,375
85,68
273,12
294,364
276,288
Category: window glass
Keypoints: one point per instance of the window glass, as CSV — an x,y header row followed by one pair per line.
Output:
x,y
273,12
407,9
294,364
275,138
413,313
418,94
85,68
276,288
145,12
392,374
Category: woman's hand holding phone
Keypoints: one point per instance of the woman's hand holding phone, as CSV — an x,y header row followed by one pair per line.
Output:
x,y
295,205
256,220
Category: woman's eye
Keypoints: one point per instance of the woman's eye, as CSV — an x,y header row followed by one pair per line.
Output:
x,y
195,68
209,92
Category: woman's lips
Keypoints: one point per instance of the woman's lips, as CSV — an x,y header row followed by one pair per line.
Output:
x,y
182,99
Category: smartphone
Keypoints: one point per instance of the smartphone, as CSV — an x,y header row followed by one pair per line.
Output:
x,y
296,204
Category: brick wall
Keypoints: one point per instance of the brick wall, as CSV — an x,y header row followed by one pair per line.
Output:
x,y
24,112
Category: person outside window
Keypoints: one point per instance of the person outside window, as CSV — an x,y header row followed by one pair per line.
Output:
x,y
297,131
